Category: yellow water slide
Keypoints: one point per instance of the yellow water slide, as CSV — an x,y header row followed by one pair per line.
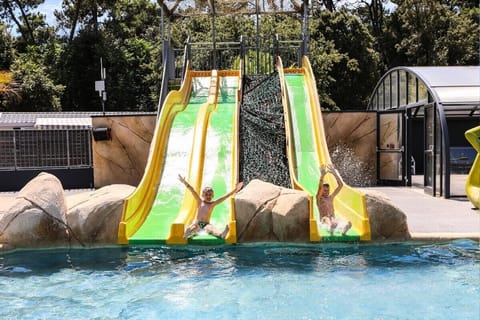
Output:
x,y
138,204
196,165
307,150
472,186
160,207
216,129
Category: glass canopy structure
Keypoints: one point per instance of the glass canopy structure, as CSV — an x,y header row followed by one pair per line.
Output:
x,y
423,113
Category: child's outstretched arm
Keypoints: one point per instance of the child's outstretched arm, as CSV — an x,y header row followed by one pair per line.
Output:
x,y
338,178
189,187
323,172
235,190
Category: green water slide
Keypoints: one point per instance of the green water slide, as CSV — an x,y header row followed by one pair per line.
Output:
x,y
308,151
168,200
220,165
196,130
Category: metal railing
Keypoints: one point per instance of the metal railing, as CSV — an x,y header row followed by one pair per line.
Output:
x,y
259,54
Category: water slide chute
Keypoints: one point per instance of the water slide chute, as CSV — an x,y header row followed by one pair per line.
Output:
x,y
307,150
160,207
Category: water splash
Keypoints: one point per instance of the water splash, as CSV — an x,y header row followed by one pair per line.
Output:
x,y
353,170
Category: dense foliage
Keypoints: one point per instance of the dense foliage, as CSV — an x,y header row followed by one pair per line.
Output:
x,y
54,67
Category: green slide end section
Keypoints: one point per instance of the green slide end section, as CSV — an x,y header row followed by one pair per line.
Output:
x,y
217,171
307,161
168,200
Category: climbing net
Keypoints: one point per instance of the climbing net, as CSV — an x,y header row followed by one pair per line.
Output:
x,y
262,132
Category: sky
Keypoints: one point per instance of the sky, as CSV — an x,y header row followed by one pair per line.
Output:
x,y
48,7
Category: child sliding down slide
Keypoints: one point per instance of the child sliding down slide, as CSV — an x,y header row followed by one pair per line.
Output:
x,y
205,207
328,220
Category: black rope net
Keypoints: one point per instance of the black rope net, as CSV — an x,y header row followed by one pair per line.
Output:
x,y
262,132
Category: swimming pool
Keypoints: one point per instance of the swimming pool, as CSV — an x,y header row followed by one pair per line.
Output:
x,y
258,281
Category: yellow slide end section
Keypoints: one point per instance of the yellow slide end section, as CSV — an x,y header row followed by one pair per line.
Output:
x,y
472,186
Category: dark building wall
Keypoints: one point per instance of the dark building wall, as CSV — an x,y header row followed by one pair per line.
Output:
x,y
70,178
457,128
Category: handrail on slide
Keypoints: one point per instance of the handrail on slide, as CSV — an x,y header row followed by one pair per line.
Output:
x,y
472,186
349,203
232,233
137,206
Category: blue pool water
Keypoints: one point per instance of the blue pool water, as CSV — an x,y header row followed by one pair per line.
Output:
x,y
261,281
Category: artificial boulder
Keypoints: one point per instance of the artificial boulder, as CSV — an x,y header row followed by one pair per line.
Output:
x,y
93,217
42,216
387,221
266,212
37,216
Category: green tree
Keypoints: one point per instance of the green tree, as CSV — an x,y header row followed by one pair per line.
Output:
x,y
354,66
76,14
462,38
130,80
285,26
6,48
134,51
374,14
126,39
435,33
79,70
33,83
323,57
37,91
460,4
29,23
200,30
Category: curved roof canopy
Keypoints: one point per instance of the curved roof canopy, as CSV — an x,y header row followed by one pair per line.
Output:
x,y
457,89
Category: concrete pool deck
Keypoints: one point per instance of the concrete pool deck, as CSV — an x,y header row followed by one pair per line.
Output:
x,y
428,218
434,218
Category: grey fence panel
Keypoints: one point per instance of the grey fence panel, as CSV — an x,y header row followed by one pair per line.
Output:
x,y
44,149
7,150
80,154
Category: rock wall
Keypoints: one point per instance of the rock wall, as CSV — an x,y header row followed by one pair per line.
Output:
x,y
351,139
41,216
266,212
387,221
37,216
122,158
